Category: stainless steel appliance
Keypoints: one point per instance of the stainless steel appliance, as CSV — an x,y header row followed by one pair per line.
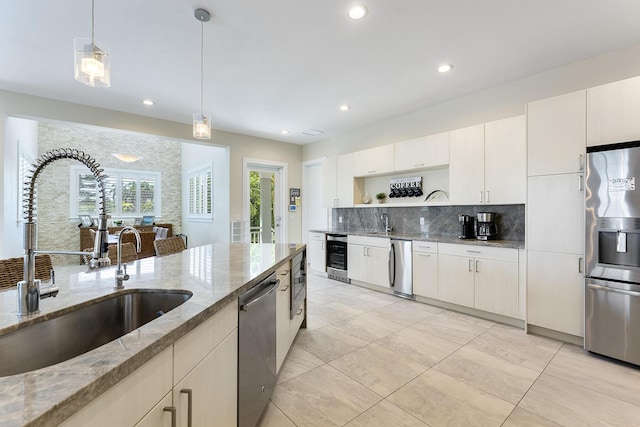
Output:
x,y
466,227
298,282
256,350
612,250
400,268
337,257
486,228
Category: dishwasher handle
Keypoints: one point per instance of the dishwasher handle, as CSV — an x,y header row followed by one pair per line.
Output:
x,y
392,265
271,285
613,290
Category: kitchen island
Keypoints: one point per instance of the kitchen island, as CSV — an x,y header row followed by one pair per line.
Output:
x,y
216,275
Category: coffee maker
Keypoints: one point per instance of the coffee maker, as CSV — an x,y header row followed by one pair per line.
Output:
x,y
486,228
466,226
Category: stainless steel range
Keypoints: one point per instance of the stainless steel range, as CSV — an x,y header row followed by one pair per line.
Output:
x,y
612,292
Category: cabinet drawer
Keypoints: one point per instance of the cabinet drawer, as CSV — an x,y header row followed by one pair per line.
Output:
x,y
316,236
296,322
421,246
193,347
380,242
499,254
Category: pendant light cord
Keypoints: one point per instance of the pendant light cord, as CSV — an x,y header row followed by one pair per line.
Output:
x,y
201,68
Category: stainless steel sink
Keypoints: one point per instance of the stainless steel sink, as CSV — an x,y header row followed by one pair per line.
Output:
x,y
71,334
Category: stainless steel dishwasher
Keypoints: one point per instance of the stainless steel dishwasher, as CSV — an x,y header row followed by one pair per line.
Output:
x,y
256,350
400,268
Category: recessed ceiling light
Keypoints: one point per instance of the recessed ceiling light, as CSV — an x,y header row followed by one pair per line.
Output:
x,y
284,131
357,12
148,102
344,108
445,68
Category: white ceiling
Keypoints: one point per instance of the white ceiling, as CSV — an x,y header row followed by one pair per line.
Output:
x,y
289,64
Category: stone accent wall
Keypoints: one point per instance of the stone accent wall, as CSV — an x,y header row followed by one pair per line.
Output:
x,y
56,230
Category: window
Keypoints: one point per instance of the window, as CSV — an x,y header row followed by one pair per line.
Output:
x,y
128,193
201,194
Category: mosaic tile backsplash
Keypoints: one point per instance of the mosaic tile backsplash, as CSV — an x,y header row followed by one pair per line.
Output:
x,y
438,220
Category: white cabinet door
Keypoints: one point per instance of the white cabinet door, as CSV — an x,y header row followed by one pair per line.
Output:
x,y
316,252
378,266
329,182
505,161
374,161
425,274
357,262
158,417
344,181
612,112
496,286
455,279
466,165
283,297
555,213
556,134
296,322
425,152
213,386
555,291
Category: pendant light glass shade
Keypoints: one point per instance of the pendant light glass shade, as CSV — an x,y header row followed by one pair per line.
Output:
x,y
91,63
201,126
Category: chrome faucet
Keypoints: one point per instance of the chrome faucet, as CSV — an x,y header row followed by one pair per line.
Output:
x,y
29,292
385,218
121,271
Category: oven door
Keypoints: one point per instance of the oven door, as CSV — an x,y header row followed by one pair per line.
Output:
x,y
613,250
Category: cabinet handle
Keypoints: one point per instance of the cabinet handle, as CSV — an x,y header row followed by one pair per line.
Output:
x,y
480,196
580,265
425,255
285,288
418,165
581,162
323,246
372,171
579,182
368,251
299,312
477,266
487,196
284,273
364,251
171,409
189,394
470,265
473,252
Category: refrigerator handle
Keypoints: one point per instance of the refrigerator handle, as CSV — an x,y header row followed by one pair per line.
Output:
x,y
392,265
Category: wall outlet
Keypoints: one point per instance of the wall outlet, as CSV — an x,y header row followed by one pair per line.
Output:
x,y
421,220
340,219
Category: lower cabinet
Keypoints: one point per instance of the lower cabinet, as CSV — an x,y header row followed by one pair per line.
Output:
x,y
283,302
425,269
369,259
455,279
316,252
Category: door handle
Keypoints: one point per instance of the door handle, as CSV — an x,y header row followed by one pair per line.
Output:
x,y
613,290
480,196
189,394
171,409
487,196
477,266
470,260
580,265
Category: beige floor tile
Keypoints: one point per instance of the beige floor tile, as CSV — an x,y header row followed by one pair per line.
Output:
x,y
328,343
297,362
274,417
315,283
319,297
323,397
368,327
453,326
572,405
523,418
608,377
501,378
334,311
404,313
385,414
369,302
314,322
440,400
419,346
381,370
513,345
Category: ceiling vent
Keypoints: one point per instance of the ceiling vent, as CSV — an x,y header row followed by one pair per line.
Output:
x,y
312,132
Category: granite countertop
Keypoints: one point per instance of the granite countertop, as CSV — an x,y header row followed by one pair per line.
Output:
x,y
513,244
215,274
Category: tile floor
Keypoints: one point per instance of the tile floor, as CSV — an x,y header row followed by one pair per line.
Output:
x,y
371,359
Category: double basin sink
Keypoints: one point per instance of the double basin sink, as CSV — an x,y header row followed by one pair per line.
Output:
x,y
80,330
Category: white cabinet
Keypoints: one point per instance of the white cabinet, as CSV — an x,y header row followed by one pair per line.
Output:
x,y
505,161
481,277
420,153
425,269
374,161
555,213
555,291
466,165
338,184
556,134
612,112
283,303
316,252
160,415
369,259
296,323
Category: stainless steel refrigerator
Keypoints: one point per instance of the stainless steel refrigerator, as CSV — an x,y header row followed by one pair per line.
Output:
x,y
612,251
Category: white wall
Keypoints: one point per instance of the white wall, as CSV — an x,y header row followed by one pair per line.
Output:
x,y
25,133
196,157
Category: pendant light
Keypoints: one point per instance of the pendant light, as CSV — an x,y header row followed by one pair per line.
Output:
x,y
201,121
91,63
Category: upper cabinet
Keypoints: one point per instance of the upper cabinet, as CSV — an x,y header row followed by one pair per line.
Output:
x,y
505,161
556,134
612,112
425,152
374,161
466,165
338,185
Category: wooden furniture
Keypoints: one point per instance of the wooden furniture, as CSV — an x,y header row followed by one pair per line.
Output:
x,y
146,233
169,246
12,270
